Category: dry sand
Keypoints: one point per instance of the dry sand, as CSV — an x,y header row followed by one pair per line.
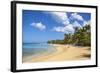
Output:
x,y
63,53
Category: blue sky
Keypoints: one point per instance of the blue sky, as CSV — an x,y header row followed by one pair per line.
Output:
x,y
41,26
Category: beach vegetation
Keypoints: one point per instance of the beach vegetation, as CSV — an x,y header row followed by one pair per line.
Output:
x,y
81,37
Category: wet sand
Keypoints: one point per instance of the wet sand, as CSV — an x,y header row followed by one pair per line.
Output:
x,y
62,53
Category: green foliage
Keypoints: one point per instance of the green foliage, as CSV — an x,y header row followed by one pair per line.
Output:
x,y
81,37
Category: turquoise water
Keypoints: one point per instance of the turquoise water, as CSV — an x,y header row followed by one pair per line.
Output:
x,y
32,49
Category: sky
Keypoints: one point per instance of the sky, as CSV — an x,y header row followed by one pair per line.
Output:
x,y
41,26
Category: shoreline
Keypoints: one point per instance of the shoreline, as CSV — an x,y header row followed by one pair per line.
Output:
x,y
63,53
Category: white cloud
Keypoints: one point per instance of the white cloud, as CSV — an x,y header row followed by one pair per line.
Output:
x,y
39,26
86,23
69,28
58,29
77,16
66,29
76,24
60,17
66,22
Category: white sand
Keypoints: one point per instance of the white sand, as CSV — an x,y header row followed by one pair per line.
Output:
x,y
63,53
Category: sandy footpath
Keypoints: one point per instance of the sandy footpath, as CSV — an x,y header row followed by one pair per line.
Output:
x,y
63,53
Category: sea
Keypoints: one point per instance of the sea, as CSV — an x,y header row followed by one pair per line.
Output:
x,y
34,49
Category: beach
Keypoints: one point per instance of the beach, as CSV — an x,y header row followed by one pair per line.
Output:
x,y
62,53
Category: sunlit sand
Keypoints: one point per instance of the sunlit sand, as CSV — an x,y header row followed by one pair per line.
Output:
x,y
62,53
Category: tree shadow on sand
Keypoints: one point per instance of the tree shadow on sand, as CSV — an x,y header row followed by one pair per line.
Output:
x,y
84,56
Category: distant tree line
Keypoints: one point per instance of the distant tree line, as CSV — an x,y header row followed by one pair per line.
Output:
x,y
81,37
